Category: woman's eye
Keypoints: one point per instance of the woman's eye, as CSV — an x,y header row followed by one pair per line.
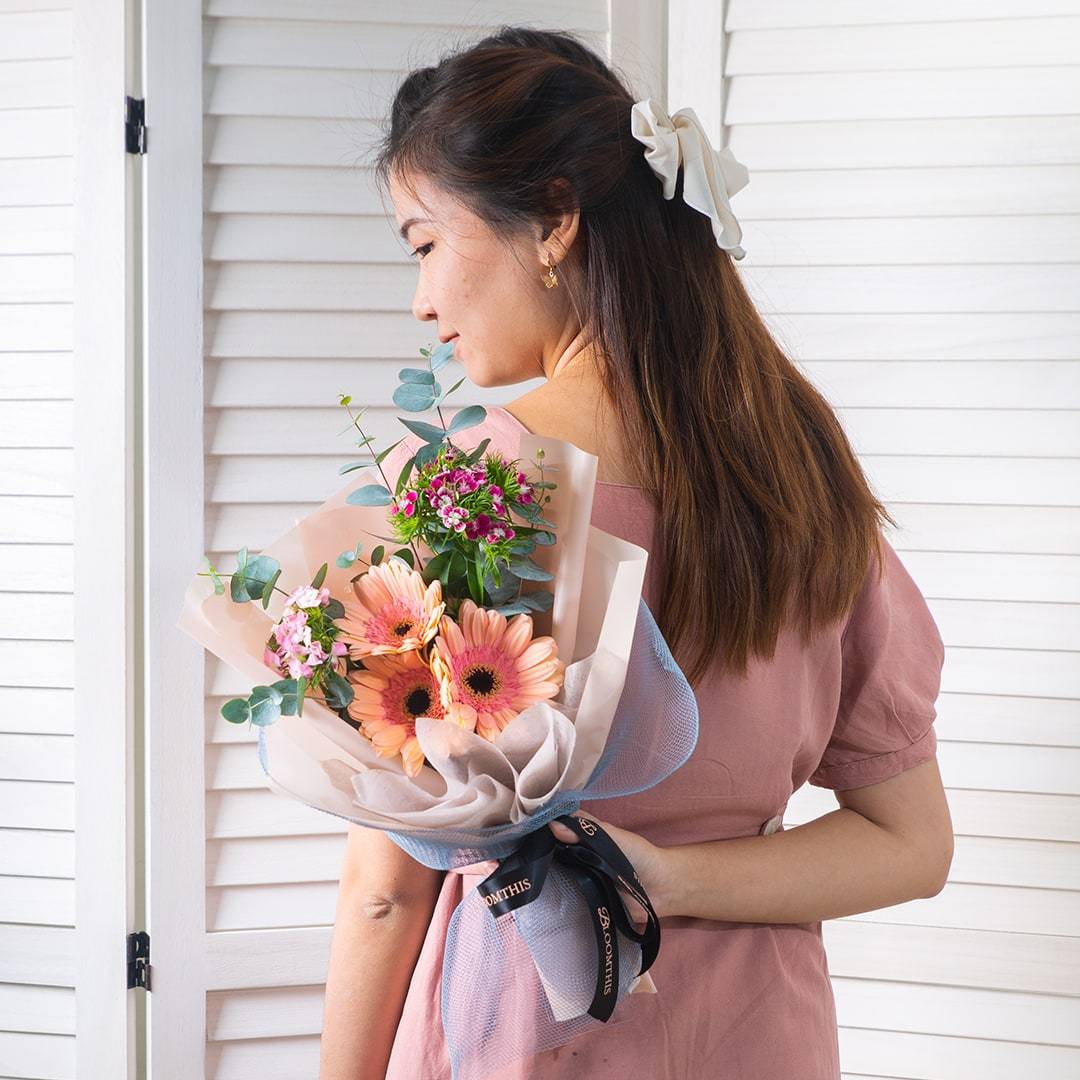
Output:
x,y
425,248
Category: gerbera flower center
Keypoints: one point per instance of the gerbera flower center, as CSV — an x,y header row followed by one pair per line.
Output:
x,y
481,681
418,703
403,627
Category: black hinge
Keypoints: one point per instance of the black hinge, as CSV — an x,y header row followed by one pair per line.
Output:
x,y
135,125
138,960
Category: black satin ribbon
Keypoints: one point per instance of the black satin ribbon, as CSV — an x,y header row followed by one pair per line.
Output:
x,y
597,866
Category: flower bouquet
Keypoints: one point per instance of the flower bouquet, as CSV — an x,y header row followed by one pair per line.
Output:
x,y
445,696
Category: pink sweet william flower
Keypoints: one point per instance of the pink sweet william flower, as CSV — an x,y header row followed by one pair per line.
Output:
x,y
405,503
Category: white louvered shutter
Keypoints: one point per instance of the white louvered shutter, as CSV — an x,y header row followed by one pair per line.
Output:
x,y
65,856
913,233
307,296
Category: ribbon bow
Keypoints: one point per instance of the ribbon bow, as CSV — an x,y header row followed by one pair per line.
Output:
x,y
710,177
597,866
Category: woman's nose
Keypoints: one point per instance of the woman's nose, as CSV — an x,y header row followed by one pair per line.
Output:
x,y
421,308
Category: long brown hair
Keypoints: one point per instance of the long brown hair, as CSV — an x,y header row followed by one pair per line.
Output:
x,y
764,513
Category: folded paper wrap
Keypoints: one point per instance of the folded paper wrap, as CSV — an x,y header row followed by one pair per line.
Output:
x,y
604,735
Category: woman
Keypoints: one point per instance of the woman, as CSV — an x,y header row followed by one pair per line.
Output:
x,y
555,240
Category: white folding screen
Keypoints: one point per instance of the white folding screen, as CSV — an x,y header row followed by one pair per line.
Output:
x,y
913,235
306,295
67,680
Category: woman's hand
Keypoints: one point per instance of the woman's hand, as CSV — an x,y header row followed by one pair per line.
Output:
x,y
650,862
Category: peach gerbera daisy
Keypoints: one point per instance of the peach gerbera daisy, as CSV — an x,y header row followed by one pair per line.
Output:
x,y
493,667
393,612
389,693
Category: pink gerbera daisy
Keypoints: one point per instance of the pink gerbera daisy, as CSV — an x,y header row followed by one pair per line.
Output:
x,y
394,612
389,693
493,667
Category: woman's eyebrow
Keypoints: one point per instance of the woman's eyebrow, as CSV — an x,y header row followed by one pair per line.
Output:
x,y
408,223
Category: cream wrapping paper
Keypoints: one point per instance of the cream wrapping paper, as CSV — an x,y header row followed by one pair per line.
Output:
x,y
475,783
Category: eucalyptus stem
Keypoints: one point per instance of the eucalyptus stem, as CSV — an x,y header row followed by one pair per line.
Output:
x,y
218,573
378,465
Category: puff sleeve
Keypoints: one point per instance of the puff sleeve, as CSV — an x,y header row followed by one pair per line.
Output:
x,y
891,660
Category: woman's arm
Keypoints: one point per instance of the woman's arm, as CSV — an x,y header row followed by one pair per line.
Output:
x,y
888,843
384,907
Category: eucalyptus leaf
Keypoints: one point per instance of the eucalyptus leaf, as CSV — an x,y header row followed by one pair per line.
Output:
x,y
428,432
335,609
265,702
538,601
524,567
535,518
319,578
377,555
468,417
413,397
268,588
416,375
405,555
345,560
502,592
369,495
236,711
287,689
381,455
238,588
352,466
426,454
515,608
441,356
339,692
451,390
248,583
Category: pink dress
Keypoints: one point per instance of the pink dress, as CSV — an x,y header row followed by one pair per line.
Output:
x,y
735,1000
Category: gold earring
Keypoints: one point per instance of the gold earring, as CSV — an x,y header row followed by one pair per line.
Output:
x,y
550,279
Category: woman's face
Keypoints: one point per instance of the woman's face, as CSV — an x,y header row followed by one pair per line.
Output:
x,y
485,294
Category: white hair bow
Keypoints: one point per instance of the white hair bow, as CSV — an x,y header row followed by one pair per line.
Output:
x,y
710,177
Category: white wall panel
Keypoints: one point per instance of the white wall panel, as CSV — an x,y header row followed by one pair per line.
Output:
x,y
913,231
37,488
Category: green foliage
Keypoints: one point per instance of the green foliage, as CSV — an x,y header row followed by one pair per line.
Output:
x,y
524,567
416,397
428,432
252,576
468,417
347,558
338,690
369,495
236,711
265,702
268,588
